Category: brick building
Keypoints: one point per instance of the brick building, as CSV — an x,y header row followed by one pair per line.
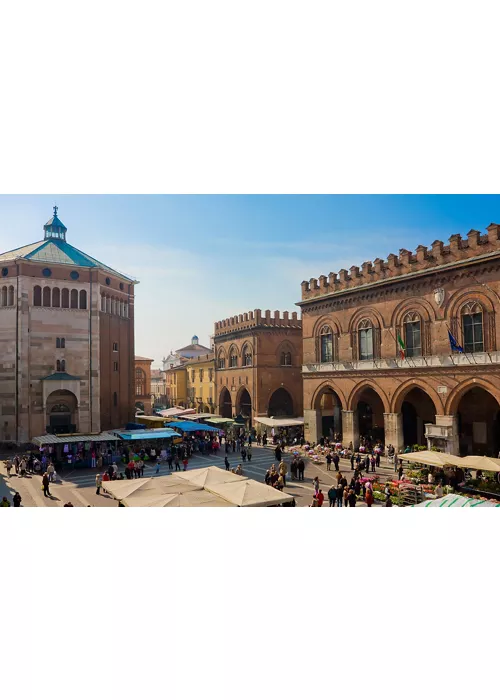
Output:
x,y
258,365
355,380
143,393
66,340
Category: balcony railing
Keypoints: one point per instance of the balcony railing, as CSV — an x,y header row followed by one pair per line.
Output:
x,y
457,359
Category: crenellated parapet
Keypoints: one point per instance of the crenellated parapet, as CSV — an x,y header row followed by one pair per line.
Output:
x,y
257,318
406,262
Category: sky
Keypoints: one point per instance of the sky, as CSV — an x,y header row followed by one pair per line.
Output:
x,y
202,258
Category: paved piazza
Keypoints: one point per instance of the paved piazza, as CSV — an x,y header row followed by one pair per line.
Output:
x,y
78,486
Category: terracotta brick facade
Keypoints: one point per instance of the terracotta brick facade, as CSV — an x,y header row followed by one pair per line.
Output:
x,y
358,383
258,359
142,386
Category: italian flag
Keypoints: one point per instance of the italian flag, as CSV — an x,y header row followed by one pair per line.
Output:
x,y
402,347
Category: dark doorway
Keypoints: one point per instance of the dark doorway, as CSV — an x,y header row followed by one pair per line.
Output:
x,y
280,404
225,404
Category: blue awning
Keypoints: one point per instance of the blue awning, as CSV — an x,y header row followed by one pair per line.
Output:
x,y
188,426
147,434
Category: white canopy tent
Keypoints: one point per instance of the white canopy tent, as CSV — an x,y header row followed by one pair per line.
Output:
x,y
433,459
279,422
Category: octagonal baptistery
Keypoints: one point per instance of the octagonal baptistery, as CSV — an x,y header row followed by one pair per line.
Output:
x,y
66,341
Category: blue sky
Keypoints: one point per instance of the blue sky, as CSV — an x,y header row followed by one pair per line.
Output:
x,y
201,258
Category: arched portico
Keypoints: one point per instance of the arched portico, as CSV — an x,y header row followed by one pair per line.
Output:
x,y
62,412
225,404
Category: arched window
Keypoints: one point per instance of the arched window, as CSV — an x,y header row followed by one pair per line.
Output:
x,y
233,358
247,358
11,296
326,344
63,342
63,365
4,296
37,295
472,327
58,366
286,359
365,337
83,299
58,342
65,298
413,335
221,362
56,297
46,296
140,382
115,399
74,298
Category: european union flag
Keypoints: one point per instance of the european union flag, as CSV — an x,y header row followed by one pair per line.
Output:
x,y
455,347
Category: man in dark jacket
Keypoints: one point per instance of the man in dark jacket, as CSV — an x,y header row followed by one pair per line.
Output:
x,y
336,461
277,453
332,496
301,466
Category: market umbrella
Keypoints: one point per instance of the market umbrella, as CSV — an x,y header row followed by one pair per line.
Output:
x,y
489,464
433,459
190,499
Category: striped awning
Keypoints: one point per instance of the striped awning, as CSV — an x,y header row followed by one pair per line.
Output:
x,y
65,439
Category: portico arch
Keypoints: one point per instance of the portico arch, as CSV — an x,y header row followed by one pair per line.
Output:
x,y
62,412
225,404
280,404
244,404
328,404
369,404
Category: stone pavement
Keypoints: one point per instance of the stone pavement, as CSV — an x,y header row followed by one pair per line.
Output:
x,y
78,486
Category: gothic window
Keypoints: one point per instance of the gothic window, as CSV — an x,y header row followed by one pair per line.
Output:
x,y
140,382
65,298
37,296
326,344
472,327
46,296
286,359
233,359
58,342
63,365
56,297
413,335
365,340
221,363
58,366
83,299
11,296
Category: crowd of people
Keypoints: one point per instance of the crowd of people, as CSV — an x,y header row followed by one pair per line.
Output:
x,y
345,493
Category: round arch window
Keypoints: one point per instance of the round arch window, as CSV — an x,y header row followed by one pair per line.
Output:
x,y
74,275
5,271
121,286
108,281
47,272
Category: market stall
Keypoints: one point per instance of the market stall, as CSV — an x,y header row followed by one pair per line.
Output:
x,y
187,426
281,428
77,450
454,501
433,459
205,487
176,411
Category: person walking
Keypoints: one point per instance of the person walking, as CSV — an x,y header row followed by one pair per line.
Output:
x,y
177,463
372,462
243,453
9,467
45,484
400,470
226,463
267,477
346,496
320,498
387,493
98,484
377,460
283,471
17,499
293,469
340,495
249,452
277,453
336,461
369,495
301,467
185,463
316,485
328,462
351,497
332,495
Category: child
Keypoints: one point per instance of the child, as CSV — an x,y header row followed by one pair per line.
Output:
x,y
185,462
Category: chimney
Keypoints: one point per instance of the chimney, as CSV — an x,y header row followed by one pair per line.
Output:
x,y
455,242
493,230
421,253
473,238
437,250
392,261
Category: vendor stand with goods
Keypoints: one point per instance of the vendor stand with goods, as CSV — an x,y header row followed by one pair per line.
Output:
x,y
77,450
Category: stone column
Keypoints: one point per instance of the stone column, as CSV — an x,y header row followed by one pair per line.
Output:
x,y
393,427
350,428
312,425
